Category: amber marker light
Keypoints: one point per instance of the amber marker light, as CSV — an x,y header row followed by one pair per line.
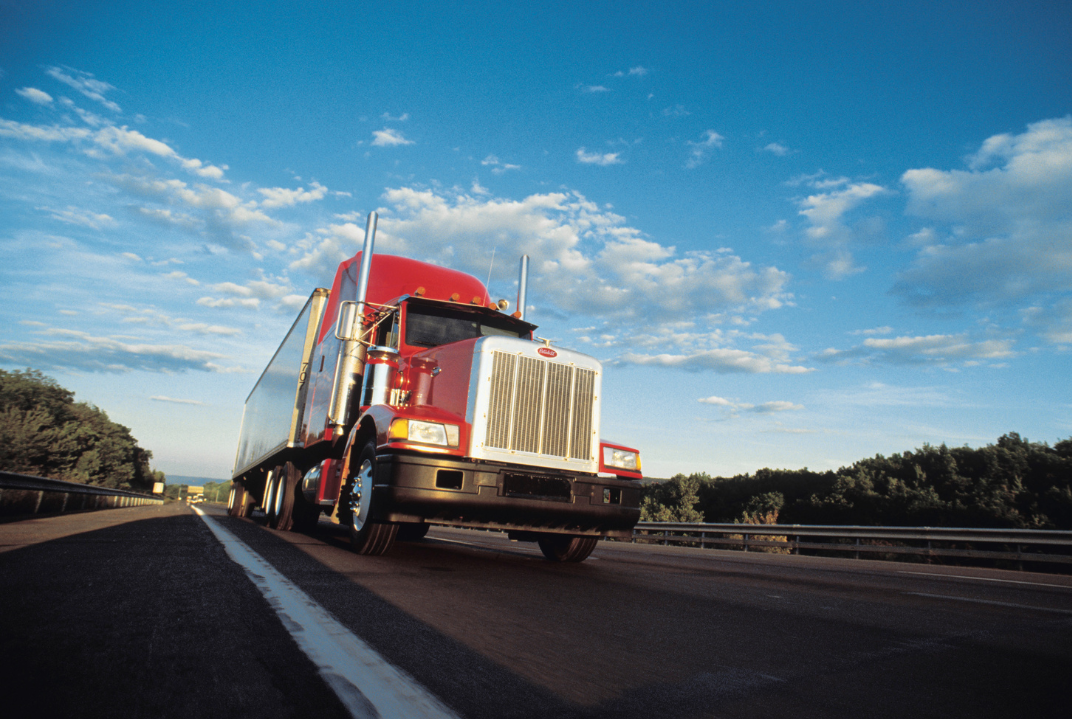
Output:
x,y
399,430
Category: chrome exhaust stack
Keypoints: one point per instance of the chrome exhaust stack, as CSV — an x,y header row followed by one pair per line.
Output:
x,y
522,286
351,362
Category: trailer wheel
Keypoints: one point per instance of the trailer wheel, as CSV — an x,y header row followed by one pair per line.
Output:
x,y
564,548
239,500
366,536
271,490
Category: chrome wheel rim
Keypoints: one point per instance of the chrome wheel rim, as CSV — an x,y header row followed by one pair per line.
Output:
x,y
360,494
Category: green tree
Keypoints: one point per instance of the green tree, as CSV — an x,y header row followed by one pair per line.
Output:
x,y
43,431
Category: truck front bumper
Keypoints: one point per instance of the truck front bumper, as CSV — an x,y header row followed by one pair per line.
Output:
x,y
513,498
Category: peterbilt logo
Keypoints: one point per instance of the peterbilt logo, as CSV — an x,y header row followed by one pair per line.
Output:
x,y
547,352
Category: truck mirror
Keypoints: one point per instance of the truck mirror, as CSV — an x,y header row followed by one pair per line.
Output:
x,y
344,323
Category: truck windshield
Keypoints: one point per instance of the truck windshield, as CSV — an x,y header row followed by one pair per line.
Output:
x,y
434,326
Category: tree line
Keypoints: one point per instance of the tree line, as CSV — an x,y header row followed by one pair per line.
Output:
x,y
1013,483
44,432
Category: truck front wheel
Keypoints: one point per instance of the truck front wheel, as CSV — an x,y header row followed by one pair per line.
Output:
x,y
366,536
564,548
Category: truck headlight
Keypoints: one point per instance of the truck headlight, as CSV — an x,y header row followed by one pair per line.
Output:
x,y
415,430
622,459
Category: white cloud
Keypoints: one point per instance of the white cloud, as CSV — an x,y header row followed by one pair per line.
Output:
x,y
162,398
80,351
75,216
86,84
217,211
711,140
54,133
874,331
676,111
283,197
594,88
389,137
386,117
825,212
249,295
594,158
176,275
585,261
119,140
1054,323
1007,221
938,350
723,361
777,149
498,168
776,406
38,97
206,329
227,302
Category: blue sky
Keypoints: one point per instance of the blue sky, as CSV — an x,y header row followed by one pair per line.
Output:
x,y
796,235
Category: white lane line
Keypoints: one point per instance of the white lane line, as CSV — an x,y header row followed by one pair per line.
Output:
x,y
986,579
989,601
362,679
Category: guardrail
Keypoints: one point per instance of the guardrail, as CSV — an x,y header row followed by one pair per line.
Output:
x,y
1017,545
24,495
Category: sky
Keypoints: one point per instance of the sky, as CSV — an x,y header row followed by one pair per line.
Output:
x,y
796,235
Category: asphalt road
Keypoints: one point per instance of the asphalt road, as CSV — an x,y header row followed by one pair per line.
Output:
x,y
141,613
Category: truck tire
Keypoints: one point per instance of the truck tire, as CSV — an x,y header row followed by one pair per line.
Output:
x,y
271,489
304,515
289,510
412,532
238,504
564,548
366,536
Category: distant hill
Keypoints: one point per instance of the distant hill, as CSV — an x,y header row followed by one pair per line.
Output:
x,y
193,481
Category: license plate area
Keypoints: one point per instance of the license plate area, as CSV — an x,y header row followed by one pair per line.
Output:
x,y
537,486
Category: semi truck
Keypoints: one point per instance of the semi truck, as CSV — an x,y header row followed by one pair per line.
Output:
x,y
403,397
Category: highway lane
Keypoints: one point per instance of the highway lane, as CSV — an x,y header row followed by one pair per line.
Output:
x,y
493,630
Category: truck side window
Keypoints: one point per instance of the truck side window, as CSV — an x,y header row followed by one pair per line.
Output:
x,y
387,332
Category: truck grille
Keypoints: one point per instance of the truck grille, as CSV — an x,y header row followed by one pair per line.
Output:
x,y
540,407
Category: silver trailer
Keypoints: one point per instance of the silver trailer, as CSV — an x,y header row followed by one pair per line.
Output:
x,y
272,418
